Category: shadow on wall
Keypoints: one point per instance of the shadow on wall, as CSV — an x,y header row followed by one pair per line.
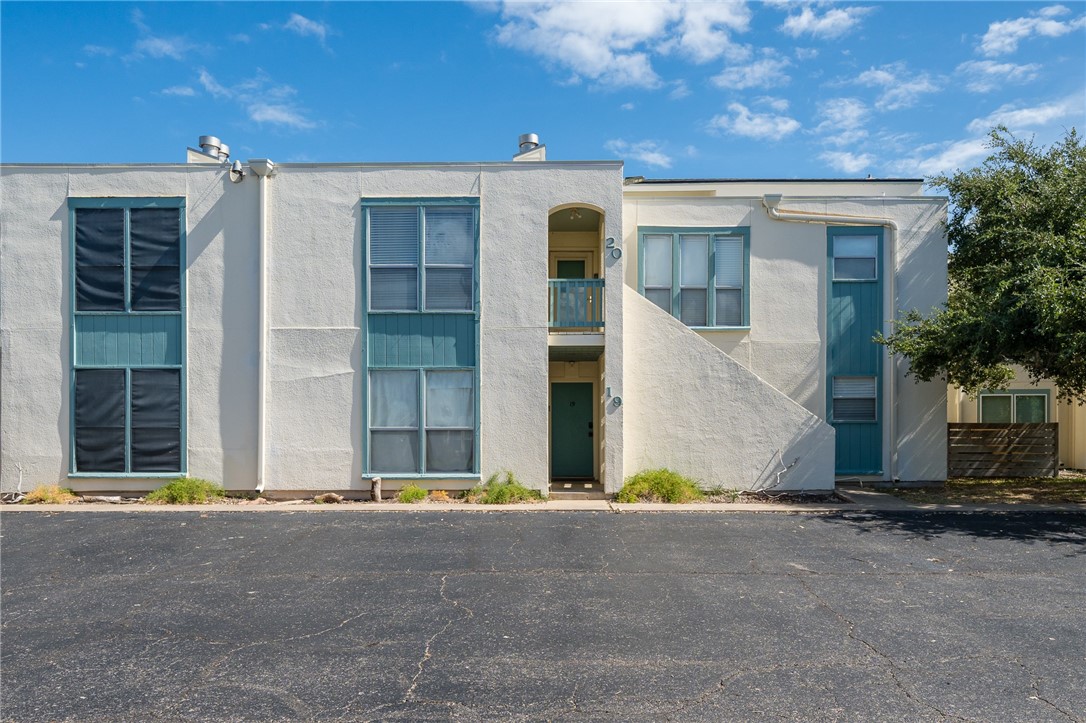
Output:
x,y
1055,529
791,465
231,223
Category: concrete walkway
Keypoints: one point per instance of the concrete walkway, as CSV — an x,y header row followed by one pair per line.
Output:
x,y
859,500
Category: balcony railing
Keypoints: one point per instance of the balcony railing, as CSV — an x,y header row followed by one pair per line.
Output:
x,y
576,303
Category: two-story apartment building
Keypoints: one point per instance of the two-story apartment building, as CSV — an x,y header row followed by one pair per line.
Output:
x,y
308,326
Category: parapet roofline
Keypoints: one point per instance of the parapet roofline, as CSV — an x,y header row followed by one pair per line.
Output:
x,y
641,180
520,165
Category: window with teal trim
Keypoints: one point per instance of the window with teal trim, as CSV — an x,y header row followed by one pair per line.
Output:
x,y
699,276
421,257
127,391
422,421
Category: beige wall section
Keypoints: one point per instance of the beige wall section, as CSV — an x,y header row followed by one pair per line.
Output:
x,y
696,410
1070,416
786,344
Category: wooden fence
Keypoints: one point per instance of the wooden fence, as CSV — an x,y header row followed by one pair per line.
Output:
x,y
1002,450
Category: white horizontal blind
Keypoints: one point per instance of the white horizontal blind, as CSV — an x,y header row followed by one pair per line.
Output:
x,y
854,258
729,262
854,399
394,258
694,279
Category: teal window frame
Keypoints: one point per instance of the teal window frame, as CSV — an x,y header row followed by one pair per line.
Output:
x,y
421,203
127,203
712,231
420,268
1014,394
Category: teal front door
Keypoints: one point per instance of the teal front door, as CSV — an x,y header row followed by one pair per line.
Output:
x,y
572,435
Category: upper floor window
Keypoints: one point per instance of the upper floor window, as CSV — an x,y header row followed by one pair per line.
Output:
x,y
699,276
127,259
855,258
421,256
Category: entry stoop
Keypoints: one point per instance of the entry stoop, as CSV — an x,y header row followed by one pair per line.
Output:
x,y
578,490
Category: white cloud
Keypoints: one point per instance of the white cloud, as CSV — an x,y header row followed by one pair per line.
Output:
x,y
1019,119
648,152
155,46
679,90
847,162
612,43
179,90
742,122
305,27
901,88
240,38
98,50
764,73
948,157
705,30
983,76
833,23
1003,36
262,100
627,106
778,104
842,121
806,53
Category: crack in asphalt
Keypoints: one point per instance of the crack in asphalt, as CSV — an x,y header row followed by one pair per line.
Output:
x,y
426,654
892,667
1035,686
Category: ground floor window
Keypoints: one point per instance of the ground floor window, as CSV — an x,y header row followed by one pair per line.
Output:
x,y
422,421
127,420
854,399
1017,407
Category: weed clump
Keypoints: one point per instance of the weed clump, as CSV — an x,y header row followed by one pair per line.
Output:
x,y
498,491
49,495
412,494
186,491
439,495
659,485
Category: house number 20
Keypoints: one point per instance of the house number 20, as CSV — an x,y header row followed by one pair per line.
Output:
x,y
616,252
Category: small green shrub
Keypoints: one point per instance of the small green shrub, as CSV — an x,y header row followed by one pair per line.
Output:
x,y
659,485
505,491
412,494
186,491
49,495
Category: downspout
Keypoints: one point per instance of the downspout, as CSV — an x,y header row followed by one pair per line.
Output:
x,y
772,206
264,169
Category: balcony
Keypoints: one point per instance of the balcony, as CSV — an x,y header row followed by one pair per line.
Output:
x,y
576,304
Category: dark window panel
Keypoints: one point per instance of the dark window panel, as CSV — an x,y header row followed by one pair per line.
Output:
x,y
99,288
156,450
99,259
154,236
99,420
156,289
156,420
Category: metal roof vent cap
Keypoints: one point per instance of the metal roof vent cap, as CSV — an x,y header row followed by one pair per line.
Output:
x,y
528,141
212,146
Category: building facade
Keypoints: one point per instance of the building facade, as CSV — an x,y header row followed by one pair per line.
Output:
x,y
302,327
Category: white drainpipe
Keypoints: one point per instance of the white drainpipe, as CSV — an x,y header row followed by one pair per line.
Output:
x,y
265,169
772,206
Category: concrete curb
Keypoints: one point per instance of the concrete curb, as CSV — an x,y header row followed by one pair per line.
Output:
x,y
859,501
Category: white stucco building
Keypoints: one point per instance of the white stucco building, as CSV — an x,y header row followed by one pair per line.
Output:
x,y
301,327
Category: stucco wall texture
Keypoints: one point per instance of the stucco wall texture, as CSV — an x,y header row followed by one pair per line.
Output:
x,y
316,355
786,342
724,407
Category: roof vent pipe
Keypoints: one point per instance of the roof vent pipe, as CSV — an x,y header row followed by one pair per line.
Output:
x,y
528,141
212,146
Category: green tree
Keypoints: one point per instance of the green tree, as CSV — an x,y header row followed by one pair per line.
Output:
x,y
1017,272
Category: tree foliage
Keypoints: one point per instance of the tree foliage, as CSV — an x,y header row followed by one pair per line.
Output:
x,y
1017,273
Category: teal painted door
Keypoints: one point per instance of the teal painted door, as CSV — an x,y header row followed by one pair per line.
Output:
x,y
572,435
854,360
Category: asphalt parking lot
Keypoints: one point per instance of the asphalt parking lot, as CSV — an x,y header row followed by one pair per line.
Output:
x,y
119,616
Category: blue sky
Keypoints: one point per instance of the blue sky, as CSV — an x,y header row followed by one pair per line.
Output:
x,y
771,89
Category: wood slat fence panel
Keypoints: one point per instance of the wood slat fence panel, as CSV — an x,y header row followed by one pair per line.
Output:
x,y
1002,450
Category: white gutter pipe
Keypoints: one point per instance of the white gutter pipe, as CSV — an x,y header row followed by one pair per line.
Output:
x,y
264,169
772,203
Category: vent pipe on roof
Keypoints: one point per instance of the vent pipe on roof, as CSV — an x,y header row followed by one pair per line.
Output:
x,y
528,142
212,146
